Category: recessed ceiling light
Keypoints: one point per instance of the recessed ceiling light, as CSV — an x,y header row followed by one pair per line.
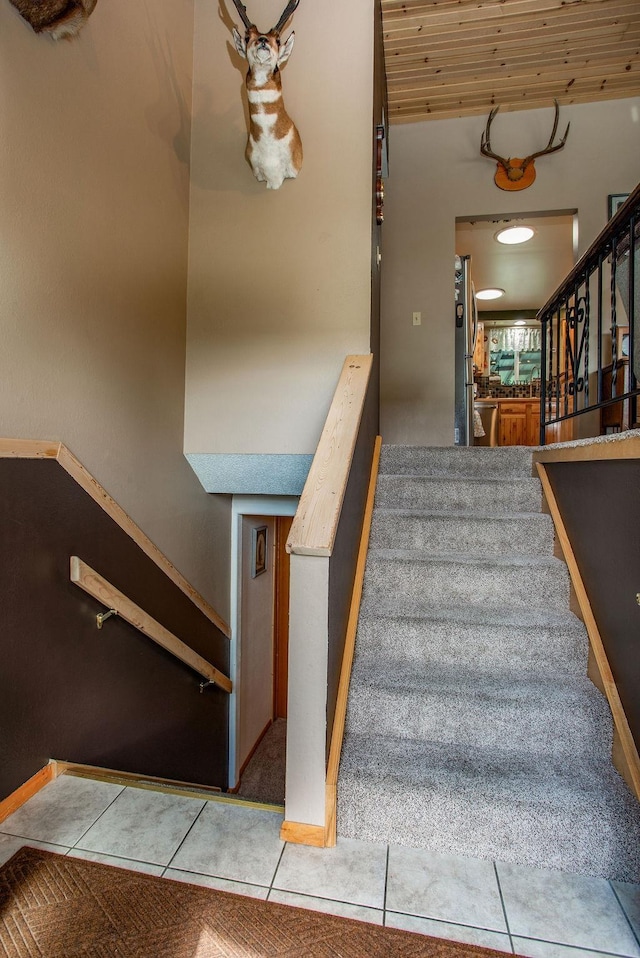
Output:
x,y
520,322
491,293
512,235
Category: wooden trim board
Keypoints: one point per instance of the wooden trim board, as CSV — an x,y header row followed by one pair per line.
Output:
x,y
151,782
28,449
41,449
86,578
628,448
30,788
316,520
300,834
168,786
625,754
337,735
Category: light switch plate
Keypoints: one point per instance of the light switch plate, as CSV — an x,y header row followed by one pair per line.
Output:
x,y
417,319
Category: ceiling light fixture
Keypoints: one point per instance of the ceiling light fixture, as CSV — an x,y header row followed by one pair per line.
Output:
x,y
490,293
512,235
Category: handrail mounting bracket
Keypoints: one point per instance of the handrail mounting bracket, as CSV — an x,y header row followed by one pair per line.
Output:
x,y
103,616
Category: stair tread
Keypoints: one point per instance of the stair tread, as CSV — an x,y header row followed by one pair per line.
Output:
x,y
441,680
547,719
438,460
413,761
562,813
399,607
497,480
426,557
421,512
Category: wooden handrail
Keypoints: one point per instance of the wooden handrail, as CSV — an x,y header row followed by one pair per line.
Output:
x,y
41,449
93,583
315,524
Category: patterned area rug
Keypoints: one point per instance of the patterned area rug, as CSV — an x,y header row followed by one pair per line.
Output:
x,y
57,907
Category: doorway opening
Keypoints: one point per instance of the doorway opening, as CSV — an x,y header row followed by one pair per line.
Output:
x,y
259,646
498,358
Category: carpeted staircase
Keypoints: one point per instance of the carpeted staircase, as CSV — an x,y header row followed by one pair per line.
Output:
x,y
472,727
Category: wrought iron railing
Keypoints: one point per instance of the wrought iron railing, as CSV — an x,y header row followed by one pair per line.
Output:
x,y
591,335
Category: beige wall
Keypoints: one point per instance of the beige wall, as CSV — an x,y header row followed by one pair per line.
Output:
x,y
94,180
279,281
436,174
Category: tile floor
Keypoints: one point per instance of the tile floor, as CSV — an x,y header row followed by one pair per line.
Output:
x,y
233,847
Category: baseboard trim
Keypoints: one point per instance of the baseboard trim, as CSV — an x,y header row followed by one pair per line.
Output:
x,y
141,781
625,753
12,802
300,834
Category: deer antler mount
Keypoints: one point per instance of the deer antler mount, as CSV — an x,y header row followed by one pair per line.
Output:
x,y
515,173
274,148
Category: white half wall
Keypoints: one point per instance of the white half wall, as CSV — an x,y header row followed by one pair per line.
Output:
x,y
307,699
438,174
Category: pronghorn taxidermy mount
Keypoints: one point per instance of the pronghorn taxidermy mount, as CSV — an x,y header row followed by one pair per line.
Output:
x,y
274,148
61,19
515,173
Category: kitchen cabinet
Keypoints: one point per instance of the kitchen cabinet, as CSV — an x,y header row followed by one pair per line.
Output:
x,y
519,422
559,432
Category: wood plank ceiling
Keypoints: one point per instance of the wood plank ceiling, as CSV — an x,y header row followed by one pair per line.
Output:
x,y
451,58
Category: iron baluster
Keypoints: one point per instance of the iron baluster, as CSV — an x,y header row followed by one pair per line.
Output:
x,y
599,333
543,382
574,338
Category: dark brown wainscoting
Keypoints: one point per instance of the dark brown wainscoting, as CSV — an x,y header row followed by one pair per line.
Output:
x,y
109,697
600,506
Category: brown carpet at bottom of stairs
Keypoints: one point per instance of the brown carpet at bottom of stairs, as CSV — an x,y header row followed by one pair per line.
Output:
x,y
52,906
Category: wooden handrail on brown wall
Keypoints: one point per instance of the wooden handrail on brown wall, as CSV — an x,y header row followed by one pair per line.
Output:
x,y
41,449
98,587
89,694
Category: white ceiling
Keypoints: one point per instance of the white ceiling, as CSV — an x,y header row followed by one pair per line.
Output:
x,y
528,273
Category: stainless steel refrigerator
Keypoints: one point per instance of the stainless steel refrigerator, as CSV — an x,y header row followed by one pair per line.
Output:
x,y
466,332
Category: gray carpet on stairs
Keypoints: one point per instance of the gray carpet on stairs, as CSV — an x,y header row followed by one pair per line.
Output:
x,y
263,779
472,728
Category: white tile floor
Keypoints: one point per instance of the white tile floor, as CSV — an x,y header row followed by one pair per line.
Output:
x,y
236,848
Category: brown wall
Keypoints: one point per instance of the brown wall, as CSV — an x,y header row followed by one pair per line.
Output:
x,y
342,566
68,691
600,506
